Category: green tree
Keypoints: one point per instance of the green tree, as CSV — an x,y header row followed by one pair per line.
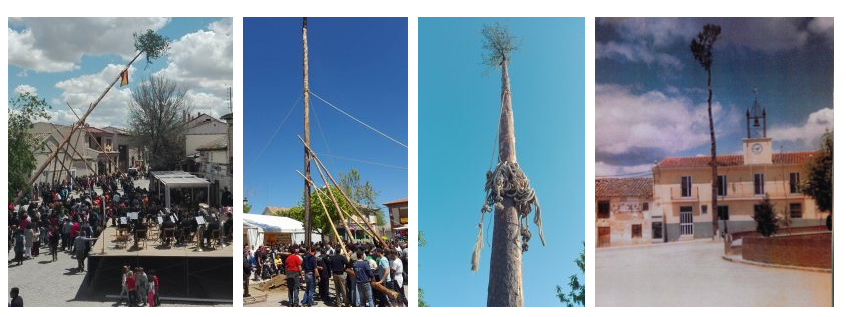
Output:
x,y
363,194
155,120
765,217
24,109
820,171
152,43
421,242
576,296
319,222
247,208
701,48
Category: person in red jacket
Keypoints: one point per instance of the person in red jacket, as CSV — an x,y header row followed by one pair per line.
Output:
x,y
130,288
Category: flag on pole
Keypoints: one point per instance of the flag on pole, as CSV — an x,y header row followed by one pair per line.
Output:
x,y
124,77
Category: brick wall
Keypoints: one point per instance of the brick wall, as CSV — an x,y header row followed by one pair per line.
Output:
x,y
806,250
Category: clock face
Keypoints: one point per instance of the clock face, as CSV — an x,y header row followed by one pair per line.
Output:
x,y
757,148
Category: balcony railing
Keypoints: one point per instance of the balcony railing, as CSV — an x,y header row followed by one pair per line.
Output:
x,y
677,195
734,191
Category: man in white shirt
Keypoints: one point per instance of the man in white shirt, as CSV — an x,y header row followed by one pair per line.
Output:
x,y
397,272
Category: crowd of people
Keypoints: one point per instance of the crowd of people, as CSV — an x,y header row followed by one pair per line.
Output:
x,y
353,272
68,216
64,216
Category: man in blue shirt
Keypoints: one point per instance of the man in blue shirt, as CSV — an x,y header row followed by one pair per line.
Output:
x,y
363,276
310,269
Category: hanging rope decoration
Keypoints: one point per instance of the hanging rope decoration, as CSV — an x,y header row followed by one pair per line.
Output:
x,y
508,181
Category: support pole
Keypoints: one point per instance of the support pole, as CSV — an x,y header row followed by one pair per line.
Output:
x,y
74,150
344,212
350,201
334,201
328,217
88,133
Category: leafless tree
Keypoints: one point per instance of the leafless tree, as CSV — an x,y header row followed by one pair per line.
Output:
x,y
155,120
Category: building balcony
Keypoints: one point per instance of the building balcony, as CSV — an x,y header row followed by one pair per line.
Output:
x,y
734,191
676,194
746,191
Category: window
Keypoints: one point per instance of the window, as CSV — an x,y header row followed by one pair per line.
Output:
x,y
645,207
603,209
795,210
704,209
794,183
722,186
636,231
723,212
759,184
686,186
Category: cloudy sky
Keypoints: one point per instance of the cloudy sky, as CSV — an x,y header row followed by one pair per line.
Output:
x,y
651,95
72,60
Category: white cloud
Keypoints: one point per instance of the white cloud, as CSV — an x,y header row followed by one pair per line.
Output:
x,y
626,120
636,53
824,27
604,169
207,103
201,62
203,59
80,91
808,133
657,32
58,44
22,89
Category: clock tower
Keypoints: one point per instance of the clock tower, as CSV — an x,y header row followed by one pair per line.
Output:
x,y
757,147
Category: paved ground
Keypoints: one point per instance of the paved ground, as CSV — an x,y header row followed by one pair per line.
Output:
x,y
278,296
694,274
54,284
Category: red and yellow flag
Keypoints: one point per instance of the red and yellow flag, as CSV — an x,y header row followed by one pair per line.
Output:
x,y
124,77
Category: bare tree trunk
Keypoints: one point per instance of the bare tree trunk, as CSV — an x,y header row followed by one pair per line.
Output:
x,y
714,224
306,157
505,283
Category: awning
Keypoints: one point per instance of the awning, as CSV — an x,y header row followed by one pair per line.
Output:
x,y
273,224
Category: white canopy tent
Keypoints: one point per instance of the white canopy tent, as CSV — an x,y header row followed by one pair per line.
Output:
x,y
255,227
162,182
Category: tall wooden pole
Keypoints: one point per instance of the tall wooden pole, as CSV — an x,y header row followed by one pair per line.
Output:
x,y
77,125
307,155
505,283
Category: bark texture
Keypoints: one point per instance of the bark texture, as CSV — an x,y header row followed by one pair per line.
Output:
x,y
505,283
306,155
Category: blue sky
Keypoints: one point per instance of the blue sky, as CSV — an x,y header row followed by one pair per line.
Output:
x,y
59,60
651,95
458,118
358,64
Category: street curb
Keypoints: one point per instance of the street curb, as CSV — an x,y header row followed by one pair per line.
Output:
x,y
800,268
649,245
